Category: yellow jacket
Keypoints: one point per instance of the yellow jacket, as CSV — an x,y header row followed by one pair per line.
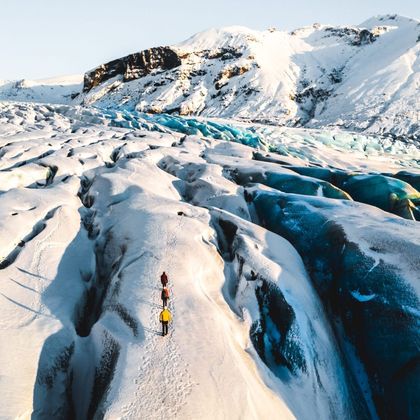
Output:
x,y
165,316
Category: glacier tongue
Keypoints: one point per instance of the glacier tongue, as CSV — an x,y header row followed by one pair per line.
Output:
x,y
292,296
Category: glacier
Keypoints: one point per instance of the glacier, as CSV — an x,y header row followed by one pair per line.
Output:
x,y
275,176
294,281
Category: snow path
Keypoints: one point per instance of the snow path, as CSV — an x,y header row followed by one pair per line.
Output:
x,y
163,382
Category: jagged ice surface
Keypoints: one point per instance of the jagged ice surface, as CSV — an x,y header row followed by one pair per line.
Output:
x,y
287,283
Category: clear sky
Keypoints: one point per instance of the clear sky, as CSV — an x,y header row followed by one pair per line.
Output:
x,y
42,38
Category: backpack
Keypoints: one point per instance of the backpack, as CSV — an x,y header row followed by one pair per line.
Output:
x,y
165,293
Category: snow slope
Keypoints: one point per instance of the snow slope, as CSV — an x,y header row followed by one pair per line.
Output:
x,y
53,90
96,204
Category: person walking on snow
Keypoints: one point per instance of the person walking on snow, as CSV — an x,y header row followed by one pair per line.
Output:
x,y
165,317
164,279
165,296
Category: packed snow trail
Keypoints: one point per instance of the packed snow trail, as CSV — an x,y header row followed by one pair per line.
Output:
x,y
163,382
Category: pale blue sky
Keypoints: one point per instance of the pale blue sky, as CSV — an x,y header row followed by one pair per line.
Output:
x,y
42,38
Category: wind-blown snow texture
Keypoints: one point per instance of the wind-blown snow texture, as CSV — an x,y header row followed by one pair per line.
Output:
x,y
293,258
363,78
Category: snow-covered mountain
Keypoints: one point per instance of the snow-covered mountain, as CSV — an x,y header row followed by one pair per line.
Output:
x,y
56,90
363,78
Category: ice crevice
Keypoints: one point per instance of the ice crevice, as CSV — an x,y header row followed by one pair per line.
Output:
x,y
278,328
341,260
36,230
76,382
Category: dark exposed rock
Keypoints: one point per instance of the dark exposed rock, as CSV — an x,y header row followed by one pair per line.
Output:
x,y
197,73
354,36
365,37
250,91
160,83
133,66
336,76
225,54
312,93
227,74
308,98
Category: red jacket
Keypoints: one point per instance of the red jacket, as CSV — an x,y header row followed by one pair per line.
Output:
x,y
164,279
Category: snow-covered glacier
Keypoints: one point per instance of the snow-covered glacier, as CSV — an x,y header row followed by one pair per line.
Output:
x,y
292,254
275,176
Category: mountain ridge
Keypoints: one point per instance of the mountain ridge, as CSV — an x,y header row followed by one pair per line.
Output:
x,y
360,78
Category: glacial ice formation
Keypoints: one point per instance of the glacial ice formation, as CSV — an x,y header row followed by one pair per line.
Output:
x,y
283,289
347,247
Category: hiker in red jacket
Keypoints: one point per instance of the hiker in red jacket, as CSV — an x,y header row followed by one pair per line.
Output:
x,y
164,279
165,296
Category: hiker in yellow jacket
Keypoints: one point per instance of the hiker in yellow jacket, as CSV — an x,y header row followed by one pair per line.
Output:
x,y
164,317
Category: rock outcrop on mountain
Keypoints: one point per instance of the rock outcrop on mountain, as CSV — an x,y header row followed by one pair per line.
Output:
x,y
133,66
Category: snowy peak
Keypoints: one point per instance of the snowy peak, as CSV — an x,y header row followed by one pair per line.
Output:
x,y
351,35
361,78
396,21
216,38
353,77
